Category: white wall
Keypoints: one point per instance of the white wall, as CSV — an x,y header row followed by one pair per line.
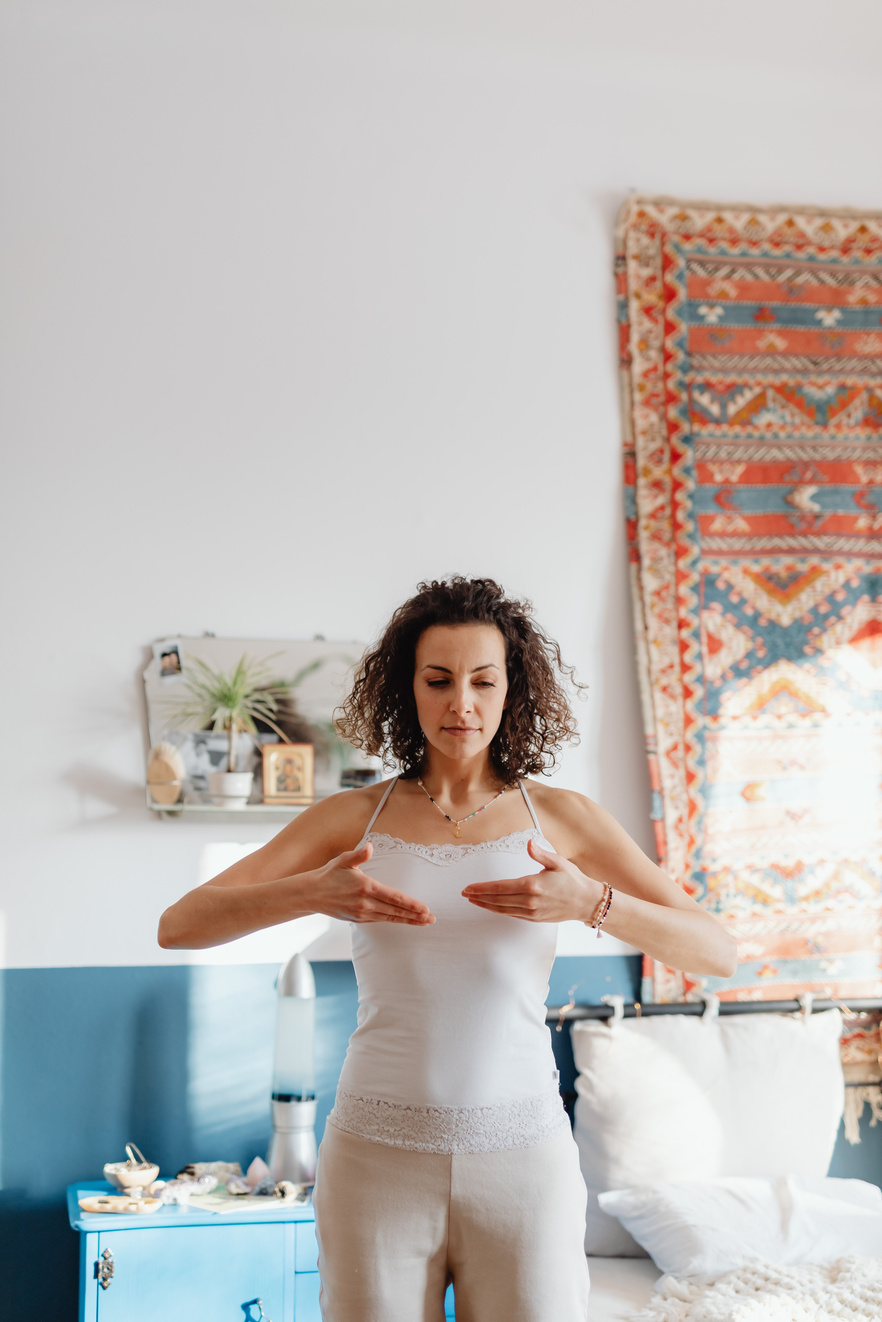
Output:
x,y
304,301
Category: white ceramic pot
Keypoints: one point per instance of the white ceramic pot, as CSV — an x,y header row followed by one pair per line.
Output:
x,y
230,789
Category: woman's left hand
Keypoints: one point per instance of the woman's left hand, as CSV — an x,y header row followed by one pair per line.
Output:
x,y
558,893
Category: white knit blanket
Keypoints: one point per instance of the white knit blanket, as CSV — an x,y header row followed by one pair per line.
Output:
x,y
849,1290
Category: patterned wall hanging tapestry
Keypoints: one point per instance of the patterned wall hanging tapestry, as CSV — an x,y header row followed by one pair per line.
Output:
x,y
751,347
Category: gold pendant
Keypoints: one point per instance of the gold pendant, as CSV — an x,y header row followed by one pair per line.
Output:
x,y
456,832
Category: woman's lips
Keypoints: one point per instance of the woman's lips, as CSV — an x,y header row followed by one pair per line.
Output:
x,y
460,730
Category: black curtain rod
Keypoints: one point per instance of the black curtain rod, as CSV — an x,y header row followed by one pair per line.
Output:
x,y
560,1013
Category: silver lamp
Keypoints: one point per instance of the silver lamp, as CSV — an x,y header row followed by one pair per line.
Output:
x,y
292,1152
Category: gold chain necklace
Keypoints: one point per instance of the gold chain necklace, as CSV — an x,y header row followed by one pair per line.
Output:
x,y
452,820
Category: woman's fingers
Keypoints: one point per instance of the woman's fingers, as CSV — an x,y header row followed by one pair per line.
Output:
x,y
492,890
359,898
396,901
519,899
382,903
510,910
546,857
555,894
513,904
536,897
374,902
355,858
383,914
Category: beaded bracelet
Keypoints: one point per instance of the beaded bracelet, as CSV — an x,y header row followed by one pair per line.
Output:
x,y
602,909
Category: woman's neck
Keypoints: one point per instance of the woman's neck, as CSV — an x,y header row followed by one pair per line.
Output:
x,y
457,781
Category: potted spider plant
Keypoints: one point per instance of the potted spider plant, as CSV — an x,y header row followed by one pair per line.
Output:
x,y
235,701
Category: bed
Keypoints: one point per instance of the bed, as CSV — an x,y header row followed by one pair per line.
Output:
x,y
620,1287
705,1143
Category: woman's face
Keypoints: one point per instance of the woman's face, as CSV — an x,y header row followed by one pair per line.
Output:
x,y
460,686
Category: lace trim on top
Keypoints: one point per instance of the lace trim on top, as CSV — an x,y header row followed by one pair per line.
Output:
x,y
451,1129
515,843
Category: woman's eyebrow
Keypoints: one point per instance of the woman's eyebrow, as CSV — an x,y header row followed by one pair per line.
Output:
x,y
491,665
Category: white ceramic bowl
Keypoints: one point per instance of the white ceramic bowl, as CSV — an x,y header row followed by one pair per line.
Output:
x,y
126,1177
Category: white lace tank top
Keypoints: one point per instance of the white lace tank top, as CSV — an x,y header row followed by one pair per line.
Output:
x,y
451,1052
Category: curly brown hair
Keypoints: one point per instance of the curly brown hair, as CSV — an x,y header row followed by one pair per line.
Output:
x,y
380,715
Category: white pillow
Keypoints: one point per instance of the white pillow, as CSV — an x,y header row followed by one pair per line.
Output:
x,y
678,1097
705,1229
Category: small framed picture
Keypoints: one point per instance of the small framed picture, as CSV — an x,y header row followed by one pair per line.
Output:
x,y
169,659
288,773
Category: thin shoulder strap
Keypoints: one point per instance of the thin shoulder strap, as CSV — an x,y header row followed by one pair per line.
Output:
x,y
529,804
379,808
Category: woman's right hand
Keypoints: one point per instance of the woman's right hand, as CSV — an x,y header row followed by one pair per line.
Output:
x,y
341,890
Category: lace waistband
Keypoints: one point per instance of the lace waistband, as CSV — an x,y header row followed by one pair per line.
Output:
x,y
452,1129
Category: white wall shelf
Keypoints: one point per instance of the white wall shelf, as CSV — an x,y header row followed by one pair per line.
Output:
x,y
204,807
250,809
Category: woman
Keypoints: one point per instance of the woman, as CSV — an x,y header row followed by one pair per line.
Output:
x,y
448,1154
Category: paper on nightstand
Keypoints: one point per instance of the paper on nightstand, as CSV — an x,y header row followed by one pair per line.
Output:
x,y
221,1202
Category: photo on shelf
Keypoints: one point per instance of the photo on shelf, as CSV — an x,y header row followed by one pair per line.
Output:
x,y
168,656
288,773
203,752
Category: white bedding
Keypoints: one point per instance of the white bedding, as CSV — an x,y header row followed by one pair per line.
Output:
x,y
620,1287
850,1289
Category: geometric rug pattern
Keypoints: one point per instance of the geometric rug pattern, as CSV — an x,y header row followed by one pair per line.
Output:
x,y
751,357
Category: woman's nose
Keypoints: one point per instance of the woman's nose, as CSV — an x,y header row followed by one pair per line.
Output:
x,y
461,701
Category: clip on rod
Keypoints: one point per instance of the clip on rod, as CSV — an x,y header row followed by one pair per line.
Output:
x,y
561,1013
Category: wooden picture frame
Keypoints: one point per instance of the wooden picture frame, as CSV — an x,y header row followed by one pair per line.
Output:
x,y
288,773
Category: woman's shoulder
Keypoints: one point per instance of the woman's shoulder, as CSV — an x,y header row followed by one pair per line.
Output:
x,y
341,819
347,806
570,816
559,801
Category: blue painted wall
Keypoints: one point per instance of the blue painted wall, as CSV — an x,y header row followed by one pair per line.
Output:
x,y
178,1059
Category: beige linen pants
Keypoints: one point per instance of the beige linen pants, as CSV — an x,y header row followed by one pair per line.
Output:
x,y
395,1227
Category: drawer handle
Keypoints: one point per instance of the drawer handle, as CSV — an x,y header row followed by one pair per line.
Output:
x,y
259,1316
104,1269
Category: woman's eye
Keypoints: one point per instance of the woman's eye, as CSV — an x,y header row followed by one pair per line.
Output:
x,y
441,683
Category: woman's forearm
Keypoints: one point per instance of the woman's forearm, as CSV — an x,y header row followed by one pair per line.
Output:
x,y
691,941
226,908
212,915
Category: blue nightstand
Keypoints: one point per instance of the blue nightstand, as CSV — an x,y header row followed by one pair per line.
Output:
x,y
178,1262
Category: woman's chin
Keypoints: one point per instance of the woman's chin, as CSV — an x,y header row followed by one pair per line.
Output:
x,y
459,746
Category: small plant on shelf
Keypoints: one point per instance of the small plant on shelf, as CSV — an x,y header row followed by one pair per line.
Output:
x,y
234,701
